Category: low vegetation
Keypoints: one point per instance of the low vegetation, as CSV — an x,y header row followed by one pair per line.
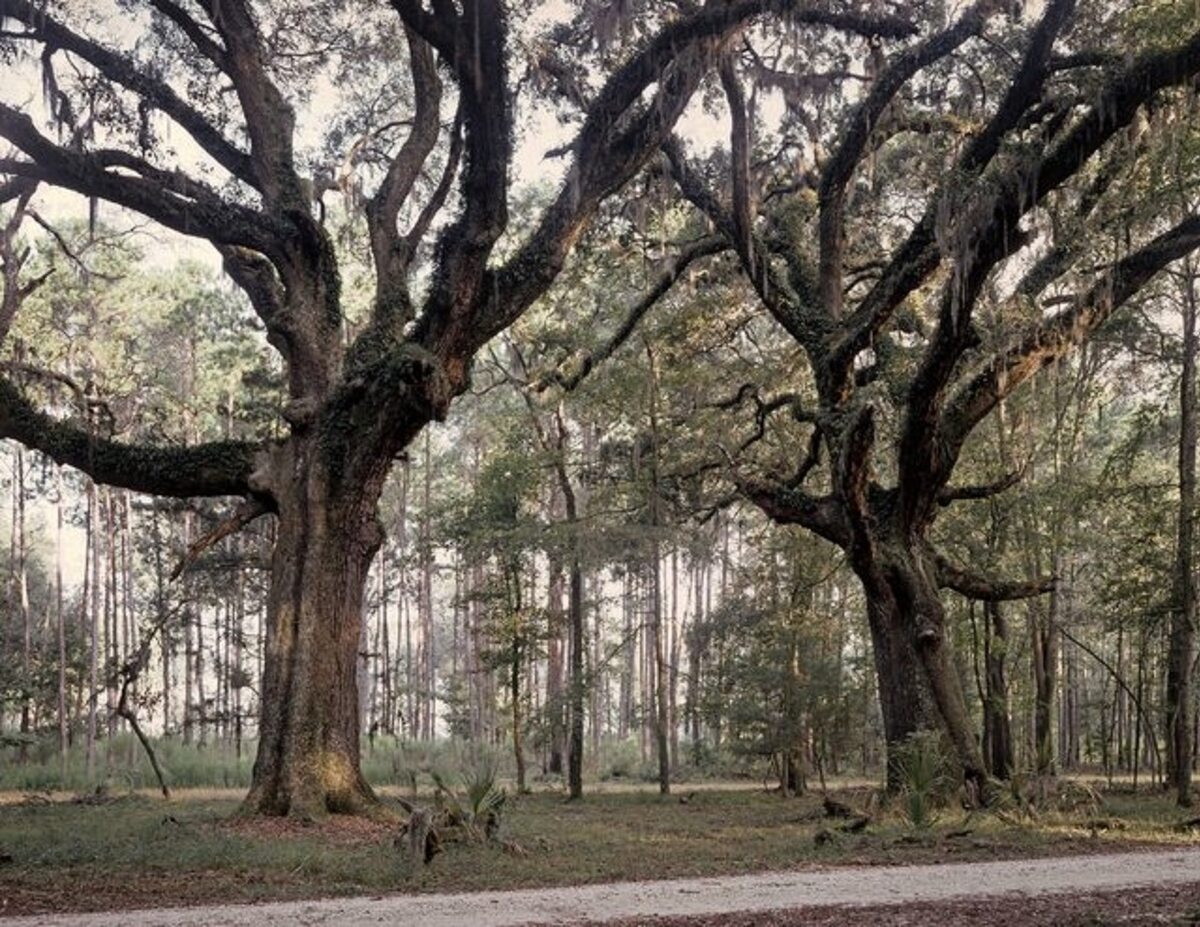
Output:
x,y
115,850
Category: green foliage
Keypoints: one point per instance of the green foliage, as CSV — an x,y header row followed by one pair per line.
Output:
x,y
470,798
926,776
122,763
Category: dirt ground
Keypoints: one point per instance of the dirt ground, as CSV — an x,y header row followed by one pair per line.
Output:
x,y
1118,888
1173,905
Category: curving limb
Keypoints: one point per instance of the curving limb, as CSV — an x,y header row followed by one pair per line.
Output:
x,y
568,375
973,586
218,468
951,494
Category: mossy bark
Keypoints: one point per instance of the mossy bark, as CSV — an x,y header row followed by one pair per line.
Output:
x,y
919,686
308,751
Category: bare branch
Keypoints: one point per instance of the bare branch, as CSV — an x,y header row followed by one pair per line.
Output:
x,y
438,199
973,586
794,311
120,69
918,257
840,167
270,119
1052,340
170,198
249,510
570,374
196,33
613,146
823,515
951,494
739,149
383,210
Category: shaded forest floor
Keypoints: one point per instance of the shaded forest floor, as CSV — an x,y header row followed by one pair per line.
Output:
x,y
136,851
1161,906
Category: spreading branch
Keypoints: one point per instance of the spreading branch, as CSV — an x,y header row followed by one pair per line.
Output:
x,y
248,511
43,28
836,174
169,197
915,261
951,494
973,586
1009,369
613,145
390,251
219,468
570,374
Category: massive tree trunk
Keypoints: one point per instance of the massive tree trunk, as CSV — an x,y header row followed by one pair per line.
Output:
x,y
327,535
919,686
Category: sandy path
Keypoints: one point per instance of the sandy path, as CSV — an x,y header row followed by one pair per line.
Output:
x,y
771,891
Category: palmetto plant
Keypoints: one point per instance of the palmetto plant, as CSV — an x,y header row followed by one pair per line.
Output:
x,y
471,799
926,776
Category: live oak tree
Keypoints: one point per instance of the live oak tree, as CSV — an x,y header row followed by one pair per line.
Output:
x,y
929,242
915,331
191,114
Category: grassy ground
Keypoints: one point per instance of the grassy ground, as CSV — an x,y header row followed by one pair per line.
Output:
x,y
137,851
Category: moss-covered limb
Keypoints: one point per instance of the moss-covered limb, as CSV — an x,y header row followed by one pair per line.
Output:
x,y
823,515
219,468
387,393
863,118
976,398
390,255
917,259
569,374
39,26
612,147
791,298
177,201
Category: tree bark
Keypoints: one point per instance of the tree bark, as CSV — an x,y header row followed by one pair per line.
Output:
x,y
918,682
20,591
1044,655
1000,743
555,703
1183,617
64,722
327,535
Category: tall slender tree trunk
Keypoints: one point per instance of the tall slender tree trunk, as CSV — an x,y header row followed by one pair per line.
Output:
x,y
92,610
1001,761
661,704
112,627
555,652
429,668
60,625
513,579
1044,655
1182,646
629,649
166,636
188,616
673,652
21,596
662,715
239,637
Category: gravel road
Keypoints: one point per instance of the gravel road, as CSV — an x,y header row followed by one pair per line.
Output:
x,y
683,897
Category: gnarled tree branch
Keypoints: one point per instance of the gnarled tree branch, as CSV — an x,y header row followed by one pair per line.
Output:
x,y
973,586
219,468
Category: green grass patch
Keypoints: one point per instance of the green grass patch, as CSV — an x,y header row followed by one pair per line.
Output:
x,y
71,856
